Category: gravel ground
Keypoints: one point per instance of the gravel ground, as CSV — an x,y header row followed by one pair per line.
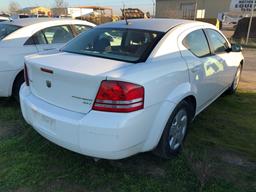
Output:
x,y
248,81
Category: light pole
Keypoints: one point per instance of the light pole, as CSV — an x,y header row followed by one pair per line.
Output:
x,y
250,22
154,8
195,14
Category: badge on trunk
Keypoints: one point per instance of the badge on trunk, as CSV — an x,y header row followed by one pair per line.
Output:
x,y
48,83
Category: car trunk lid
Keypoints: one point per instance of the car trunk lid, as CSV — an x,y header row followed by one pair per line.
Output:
x,y
70,83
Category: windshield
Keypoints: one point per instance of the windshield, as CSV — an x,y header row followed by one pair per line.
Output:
x,y
6,29
119,44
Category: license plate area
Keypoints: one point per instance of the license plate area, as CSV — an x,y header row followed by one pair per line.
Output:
x,y
43,122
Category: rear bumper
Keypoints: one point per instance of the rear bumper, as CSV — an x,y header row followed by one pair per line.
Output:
x,y
97,134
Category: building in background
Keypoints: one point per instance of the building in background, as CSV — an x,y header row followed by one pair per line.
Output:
x,y
58,12
190,9
36,11
134,13
97,14
72,12
94,14
79,11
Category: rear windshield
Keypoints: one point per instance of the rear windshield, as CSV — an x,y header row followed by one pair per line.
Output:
x,y
119,44
6,29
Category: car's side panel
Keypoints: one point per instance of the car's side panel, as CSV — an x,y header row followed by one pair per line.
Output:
x,y
160,119
11,63
6,78
49,47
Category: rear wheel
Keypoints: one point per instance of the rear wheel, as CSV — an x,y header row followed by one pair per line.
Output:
x,y
16,86
236,81
175,131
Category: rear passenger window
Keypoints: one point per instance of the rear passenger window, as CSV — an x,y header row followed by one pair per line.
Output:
x,y
37,39
58,34
196,42
51,35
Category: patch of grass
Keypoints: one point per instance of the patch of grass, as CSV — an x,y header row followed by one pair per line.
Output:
x,y
229,123
219,155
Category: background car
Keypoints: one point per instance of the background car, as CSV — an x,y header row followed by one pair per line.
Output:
x,y
135,92
3,19
22,37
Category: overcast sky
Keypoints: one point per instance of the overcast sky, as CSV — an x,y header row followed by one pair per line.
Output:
x,y
145,5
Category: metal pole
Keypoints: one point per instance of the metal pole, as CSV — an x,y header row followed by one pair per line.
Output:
x,y
195,16
154,8
177,8
250,22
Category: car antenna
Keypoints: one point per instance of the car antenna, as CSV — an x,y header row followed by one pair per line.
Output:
x,y
124,15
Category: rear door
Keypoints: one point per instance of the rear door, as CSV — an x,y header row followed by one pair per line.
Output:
x,y
202,66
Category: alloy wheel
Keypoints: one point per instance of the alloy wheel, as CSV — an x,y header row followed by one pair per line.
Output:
x,y
178,129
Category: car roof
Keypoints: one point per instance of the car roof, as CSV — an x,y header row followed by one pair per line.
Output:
x,y
161,25
31,21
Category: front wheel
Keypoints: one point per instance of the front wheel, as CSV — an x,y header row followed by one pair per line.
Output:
x,y
236,81
175,131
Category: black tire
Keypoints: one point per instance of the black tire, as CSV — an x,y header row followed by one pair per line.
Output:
x,y
233,88
16,86
163,148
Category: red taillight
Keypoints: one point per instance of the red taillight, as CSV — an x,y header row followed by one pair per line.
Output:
x,y
118,96
26,78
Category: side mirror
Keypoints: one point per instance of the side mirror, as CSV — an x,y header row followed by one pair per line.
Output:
x,y
236,48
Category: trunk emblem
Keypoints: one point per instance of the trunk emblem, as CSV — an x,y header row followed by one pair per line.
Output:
x,y
48,83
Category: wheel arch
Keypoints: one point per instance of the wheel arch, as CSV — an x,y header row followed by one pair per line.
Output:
x,y
162,117
191,99
242,63
19,74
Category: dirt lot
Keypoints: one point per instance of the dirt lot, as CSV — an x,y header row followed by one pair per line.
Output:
x,y
248,81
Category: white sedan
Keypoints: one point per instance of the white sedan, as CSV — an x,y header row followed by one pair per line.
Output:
x,y
22,37
4,19
120,89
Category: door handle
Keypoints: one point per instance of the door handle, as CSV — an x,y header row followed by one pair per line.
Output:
x,y
195,69
48,49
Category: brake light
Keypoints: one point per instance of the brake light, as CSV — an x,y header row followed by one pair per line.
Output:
x,y
119,96
26,78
